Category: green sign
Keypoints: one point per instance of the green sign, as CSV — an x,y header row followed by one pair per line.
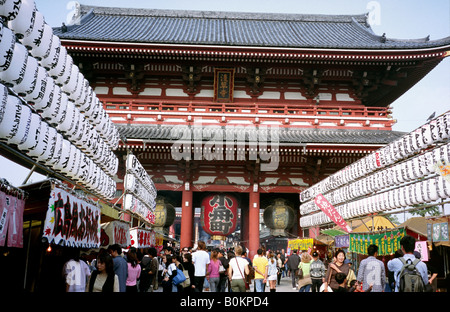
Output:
x,y
387,242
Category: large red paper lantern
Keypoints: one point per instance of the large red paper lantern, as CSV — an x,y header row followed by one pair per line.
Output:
x,y
219,215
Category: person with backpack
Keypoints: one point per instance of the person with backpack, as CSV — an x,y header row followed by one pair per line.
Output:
x,y
410,273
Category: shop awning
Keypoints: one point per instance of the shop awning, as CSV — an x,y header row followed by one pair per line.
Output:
x,y
374,224
333,232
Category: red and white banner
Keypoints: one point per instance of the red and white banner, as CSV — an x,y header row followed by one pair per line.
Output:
x,y
141,238
331,212
115,232
11,220
72,221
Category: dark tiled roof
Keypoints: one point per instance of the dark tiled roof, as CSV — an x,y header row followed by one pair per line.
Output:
x,y
286,136
232,29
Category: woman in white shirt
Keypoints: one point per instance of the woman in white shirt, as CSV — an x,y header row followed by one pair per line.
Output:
x,y
272,272
238,268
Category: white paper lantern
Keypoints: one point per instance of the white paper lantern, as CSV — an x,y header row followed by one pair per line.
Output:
x,y
38,27
82,93
41,46
50,148
74,162
10,9
16,70
52,59
38,87
89,100
93,109
45,99
432,189
443,187
18,118
29,80
69,121
63,161
51,111
23,23
36,152
434,129
57,151
70,85
444,124
65,76
7,45
74,130
33,134
59,67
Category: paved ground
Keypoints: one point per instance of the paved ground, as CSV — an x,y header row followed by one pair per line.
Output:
x,y
285,286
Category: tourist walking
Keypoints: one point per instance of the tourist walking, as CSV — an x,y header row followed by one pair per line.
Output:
x,y
238,268
200,259
407,244
371,272
279,267
317,272
76,272
304,281
134,271
189,266
212,273
104,279
261,265
120,265
223,270
292,264
272,272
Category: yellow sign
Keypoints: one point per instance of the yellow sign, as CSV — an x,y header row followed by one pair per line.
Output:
x,y
301,244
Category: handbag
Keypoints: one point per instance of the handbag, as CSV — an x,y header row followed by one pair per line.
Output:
x,y
179,278
247,285
187,282
300,271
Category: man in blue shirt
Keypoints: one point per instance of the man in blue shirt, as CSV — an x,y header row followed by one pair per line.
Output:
x,y
408,244
120,265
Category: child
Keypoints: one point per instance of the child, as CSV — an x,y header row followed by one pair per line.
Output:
x,y
357,287
341,279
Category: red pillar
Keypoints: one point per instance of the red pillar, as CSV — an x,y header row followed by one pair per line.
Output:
x,y
253,224
187,217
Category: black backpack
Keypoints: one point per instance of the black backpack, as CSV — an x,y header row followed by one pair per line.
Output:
x,y
410,279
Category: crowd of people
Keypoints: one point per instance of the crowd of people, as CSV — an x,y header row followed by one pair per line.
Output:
x,y
199,269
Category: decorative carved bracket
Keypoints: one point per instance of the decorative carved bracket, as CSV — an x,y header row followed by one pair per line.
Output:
x,y
135,75
191,77
255,79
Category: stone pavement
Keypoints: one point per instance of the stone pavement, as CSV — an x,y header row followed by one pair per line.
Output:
x,y
285,286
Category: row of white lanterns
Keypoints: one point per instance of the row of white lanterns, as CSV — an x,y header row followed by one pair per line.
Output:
x,y
420,192
135,187
435,131
410,170
135,206
71,128
33,136
139,189
27,78
37,36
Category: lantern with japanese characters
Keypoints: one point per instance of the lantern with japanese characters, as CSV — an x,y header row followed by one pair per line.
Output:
x,y
219,215
279,217
164,215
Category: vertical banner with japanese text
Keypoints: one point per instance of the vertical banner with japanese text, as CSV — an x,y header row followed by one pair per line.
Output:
x,y
72,221
331,212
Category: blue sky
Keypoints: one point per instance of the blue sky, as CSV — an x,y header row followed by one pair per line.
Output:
x,y
402,19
